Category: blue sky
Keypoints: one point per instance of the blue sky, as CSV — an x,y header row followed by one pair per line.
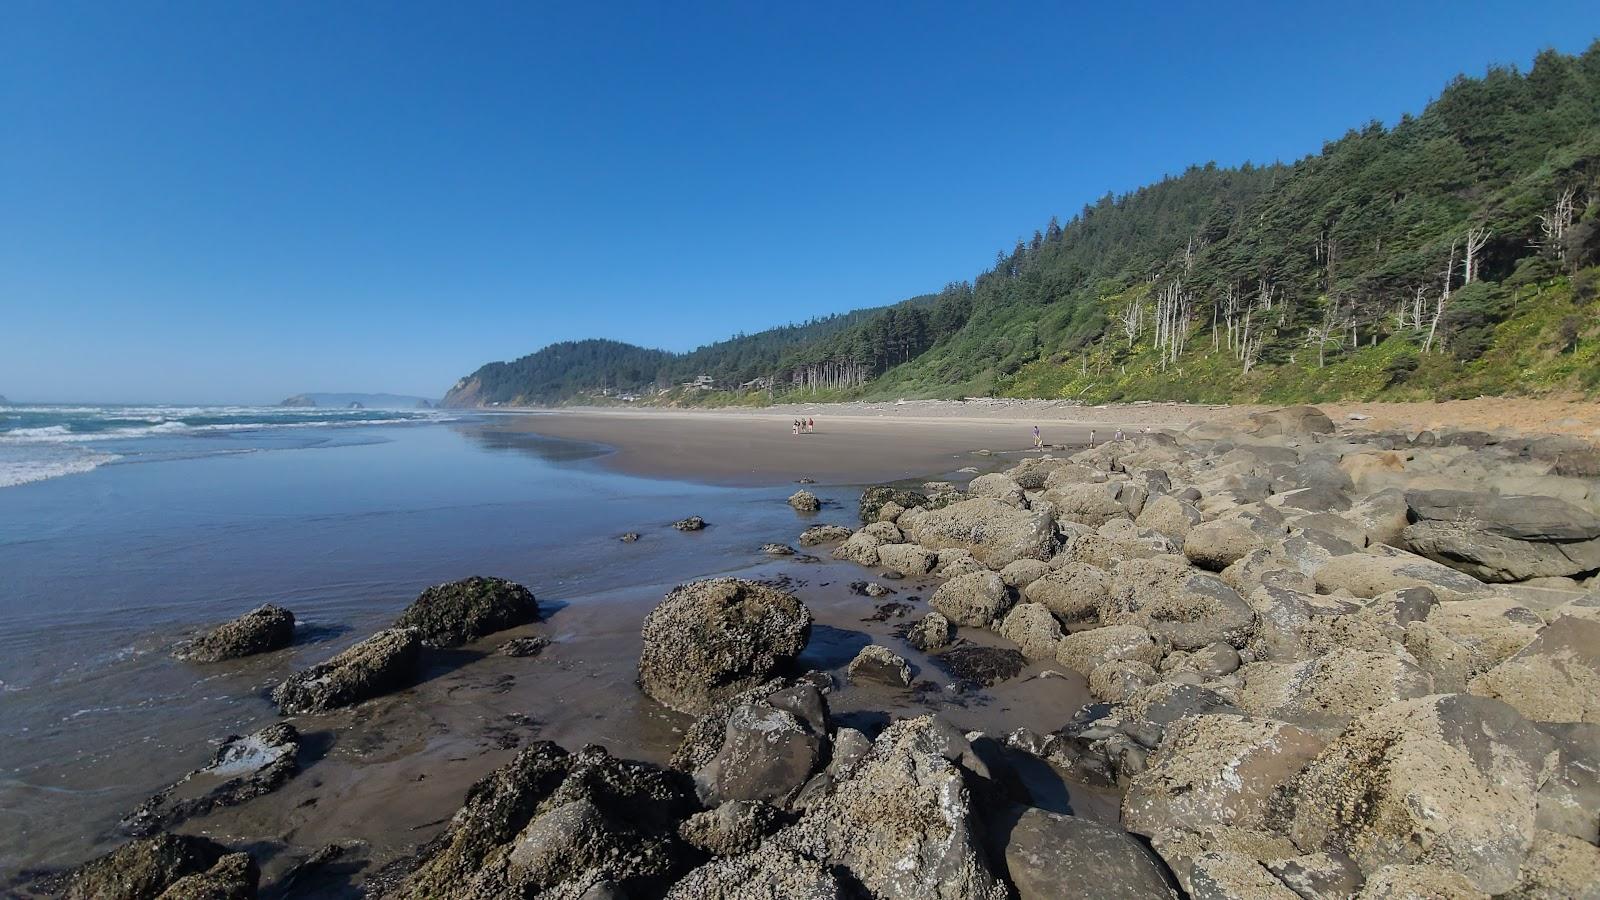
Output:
x,y
236,202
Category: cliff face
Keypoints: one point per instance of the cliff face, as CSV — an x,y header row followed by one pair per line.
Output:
x,y
464,393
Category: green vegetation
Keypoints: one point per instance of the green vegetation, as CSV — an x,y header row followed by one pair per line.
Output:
x,y
1451,255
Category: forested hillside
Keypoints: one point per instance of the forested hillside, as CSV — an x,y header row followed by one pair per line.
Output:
x,y
1450,255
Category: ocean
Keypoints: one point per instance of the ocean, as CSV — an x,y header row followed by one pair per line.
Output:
x,y
124,529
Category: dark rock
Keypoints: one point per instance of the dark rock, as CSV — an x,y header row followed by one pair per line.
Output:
x,y
459,612
768,754
1498,538
763,874
879,665
629,537
554,821
981,666
234,877
1571,456
902,821
874,498
737,826
377,665
711,639
870,589
524,646
931,632
1570,792
243,768
693,523
1049,855
777,550
260,630
142,868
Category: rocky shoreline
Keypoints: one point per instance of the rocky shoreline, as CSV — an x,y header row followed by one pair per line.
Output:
x,y
1324,663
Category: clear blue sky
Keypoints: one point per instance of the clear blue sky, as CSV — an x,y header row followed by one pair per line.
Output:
x,y
238,201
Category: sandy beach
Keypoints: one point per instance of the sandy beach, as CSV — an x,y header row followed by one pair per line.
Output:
x,y
863,442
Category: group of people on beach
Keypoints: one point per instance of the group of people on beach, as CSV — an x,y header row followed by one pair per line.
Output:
x,y
805,426
1038,438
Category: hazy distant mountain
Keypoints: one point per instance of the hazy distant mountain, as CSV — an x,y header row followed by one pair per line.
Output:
x,y
363,401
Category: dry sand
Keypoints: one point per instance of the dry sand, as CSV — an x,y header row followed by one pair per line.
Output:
x,y
868,442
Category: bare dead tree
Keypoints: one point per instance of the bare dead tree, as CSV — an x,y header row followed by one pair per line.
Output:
x,y
1476,239
1553,225
1443,299
1330,331
1174,318
1132,321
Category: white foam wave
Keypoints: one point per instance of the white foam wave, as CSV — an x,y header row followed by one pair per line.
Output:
x,y
25,471
61,434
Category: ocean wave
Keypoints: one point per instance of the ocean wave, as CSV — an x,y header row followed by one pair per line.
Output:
x,y
64,434
25,471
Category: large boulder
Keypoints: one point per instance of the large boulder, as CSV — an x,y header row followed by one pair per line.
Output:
x,y
233,877
1216,769
860,548
768,753
447,615
804,501
264,628
1381,568
1083,651
910,560
1220,543
879,665
1000,487
1189,609
979,599
1170,516
1500,538
1050,855
1555,678
874,498
902,821
995,533
552,821
761,874
1087,504
823,534
1448,780
243,768
1290,421
1073,591
1033,629
711,639
144,868
377,665
930,632
1332,689
1570,794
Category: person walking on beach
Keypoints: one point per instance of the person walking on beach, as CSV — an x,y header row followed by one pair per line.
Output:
x,y
1091,439
1038,441
796,425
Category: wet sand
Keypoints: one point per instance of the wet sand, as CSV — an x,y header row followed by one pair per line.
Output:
x,y
742,448
381,779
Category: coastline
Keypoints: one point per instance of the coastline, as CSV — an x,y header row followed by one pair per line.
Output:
x,y
384,778
864,442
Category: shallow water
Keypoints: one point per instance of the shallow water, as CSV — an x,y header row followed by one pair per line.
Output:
x,y
101,573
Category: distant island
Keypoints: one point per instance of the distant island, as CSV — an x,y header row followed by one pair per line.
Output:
x,y
358,401
1453,255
